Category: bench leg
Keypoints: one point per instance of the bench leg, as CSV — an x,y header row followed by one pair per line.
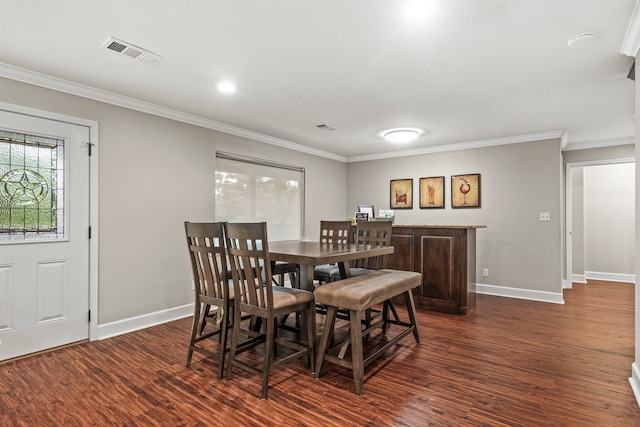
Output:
x,y
357,356
327,334
411,309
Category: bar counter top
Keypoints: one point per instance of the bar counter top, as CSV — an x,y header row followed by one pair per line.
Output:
x,y
437,226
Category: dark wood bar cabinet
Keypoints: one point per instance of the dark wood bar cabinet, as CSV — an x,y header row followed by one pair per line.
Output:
x,y
446,257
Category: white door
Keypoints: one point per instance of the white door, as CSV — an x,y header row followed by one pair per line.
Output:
x,y
44,234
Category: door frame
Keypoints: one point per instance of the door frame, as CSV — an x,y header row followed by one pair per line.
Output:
x,y
92,127
568,280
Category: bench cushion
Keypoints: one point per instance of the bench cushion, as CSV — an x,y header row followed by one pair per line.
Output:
x,y
362,292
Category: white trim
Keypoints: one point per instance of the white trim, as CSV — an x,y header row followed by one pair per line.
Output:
x,y
579,278
60,85
528,294
92,126
599,144
65,86
143,321
634,380
631,42
611,277
464,145
568,211
94,213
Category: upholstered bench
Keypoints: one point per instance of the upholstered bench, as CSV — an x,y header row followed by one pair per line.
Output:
x,y
357,295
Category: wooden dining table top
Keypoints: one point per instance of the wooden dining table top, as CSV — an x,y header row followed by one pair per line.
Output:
x,y
308,254
314,253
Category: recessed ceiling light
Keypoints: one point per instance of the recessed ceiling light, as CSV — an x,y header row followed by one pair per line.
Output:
x,y
401,135
580,40
417,10
226,87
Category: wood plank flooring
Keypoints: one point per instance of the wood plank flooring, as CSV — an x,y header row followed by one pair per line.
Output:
x,y
510,363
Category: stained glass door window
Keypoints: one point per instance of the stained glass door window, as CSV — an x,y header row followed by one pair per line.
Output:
x,y
31,187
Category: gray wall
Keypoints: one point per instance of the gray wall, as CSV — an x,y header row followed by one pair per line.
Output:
x,y
518,181
155,173
609,213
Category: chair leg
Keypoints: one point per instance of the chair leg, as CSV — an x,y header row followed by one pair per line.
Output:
x,y
237,319
385,317
194,330
357,357
311,334
268,355
224,325
411,309
205,315
325,341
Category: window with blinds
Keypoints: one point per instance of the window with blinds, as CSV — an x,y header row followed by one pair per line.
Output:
x,y
254,190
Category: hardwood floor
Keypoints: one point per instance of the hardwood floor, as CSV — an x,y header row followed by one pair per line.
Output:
x,y
510,363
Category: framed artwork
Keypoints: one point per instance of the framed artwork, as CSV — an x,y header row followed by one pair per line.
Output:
x,y
401,194
465,191
432,193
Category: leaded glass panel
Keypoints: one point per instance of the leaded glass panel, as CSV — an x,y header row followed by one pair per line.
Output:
x,y
31,190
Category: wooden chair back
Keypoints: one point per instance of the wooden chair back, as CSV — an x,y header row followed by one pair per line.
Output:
x,y
373,233
208,260
335,232
248,251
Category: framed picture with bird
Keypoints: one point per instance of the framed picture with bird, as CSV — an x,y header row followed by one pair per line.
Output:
x,y
465,191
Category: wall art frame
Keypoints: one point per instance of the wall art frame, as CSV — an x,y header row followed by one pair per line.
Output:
x,y
401,194
432,192
465,191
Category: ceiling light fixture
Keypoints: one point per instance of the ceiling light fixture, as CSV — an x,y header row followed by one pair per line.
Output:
x,y
401,135
226,87
580,40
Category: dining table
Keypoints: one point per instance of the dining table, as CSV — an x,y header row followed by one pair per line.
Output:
x,y
308,254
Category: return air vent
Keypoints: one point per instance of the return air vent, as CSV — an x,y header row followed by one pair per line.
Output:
x,y
131,50
326,127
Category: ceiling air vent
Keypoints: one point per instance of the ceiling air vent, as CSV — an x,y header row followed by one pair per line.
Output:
x,y
326,127
131,50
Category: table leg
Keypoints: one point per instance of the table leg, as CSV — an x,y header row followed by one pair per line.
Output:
x,y
345,270
306,277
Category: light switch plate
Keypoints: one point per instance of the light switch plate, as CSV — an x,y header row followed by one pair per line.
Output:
x,y
545,216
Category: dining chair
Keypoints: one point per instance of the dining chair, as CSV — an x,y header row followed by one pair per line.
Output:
x,y
248,251
280,268
213,288
372,233
331,233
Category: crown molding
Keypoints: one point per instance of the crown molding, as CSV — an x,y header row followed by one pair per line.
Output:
x,y
560,134
631,42
599,144
65,86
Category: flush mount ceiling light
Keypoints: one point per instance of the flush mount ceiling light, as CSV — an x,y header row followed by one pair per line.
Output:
x,y
226,87
580,40
401,135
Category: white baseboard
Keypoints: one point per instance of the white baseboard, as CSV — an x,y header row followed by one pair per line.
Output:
x,y
579,278
503,291
124,326
635,381
611,277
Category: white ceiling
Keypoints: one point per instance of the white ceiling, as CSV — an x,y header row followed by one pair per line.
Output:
x,y
467,71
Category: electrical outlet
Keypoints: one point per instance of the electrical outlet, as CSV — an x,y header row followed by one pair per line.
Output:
x,y
545,216
485,272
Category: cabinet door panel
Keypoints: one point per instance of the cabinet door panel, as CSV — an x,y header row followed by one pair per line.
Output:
x,y
402,257
437,267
